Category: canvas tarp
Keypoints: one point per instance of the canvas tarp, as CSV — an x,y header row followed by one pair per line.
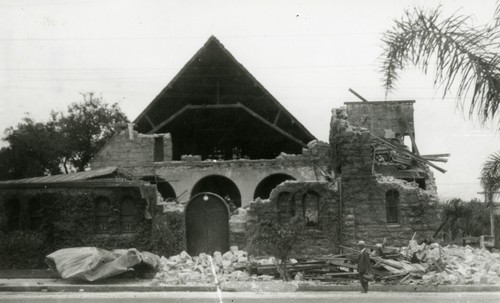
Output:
x,y
91,263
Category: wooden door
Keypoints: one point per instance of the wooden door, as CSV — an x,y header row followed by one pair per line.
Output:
x,y
207,224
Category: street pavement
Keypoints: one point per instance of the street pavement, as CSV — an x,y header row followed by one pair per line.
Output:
x,y
243,297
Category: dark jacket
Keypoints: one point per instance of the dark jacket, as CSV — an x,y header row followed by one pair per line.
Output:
x,y
364,265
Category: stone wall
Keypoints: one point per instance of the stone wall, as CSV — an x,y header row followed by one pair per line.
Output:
x,y
380,116
246,174
66,217
128,148
363,193
318,239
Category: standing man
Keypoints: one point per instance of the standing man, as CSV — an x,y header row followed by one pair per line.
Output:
x,y
364,265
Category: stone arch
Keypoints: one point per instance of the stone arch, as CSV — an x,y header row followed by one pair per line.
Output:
x,y
166,190
264,188
221,186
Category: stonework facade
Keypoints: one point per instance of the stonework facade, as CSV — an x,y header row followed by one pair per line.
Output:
x,y
380,206
130,148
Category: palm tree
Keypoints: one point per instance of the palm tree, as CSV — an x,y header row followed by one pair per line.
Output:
x,y
490,175
461,55
453,210
490,180
457,52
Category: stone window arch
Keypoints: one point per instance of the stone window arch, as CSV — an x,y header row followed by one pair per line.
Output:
x,y
128,215
310,207
286,206
392,206
102,215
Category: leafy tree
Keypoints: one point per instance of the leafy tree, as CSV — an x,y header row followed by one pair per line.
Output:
x,y
68,141
277,237
33,150
458,52
85,129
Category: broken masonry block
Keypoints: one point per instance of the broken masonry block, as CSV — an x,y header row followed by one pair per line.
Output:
x,y
226,264
184,256
227,256
218,258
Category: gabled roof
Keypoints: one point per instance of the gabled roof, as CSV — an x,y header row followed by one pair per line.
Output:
x,y
214,79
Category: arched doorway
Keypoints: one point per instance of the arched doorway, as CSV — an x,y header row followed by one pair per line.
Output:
x,y
221,186
207,224
265,186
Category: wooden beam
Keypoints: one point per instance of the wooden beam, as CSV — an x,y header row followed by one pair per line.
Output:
x,y
149,120
226,106
191,107
409,129
408,153
277,117
436,159
357,95
284,133
435,155
170,119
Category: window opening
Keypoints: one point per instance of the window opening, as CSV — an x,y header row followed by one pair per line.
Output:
x,y
102,215
159,154
128,215
392,201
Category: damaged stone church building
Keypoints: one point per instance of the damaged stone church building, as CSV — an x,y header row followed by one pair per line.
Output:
x,y
214,146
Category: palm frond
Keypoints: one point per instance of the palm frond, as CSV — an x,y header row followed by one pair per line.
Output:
x,y
490,175
459,55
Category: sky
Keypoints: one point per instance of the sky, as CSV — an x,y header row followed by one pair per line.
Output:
x,y
306,53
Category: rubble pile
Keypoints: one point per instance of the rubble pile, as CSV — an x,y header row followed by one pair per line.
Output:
x,y
454,264
183,269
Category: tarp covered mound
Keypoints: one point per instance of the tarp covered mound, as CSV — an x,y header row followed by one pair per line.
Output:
x,y
91,263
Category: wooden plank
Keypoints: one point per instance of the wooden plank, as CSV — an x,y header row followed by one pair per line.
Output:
x,y
435,155
341,264
341,274
413,156
436,159
357,95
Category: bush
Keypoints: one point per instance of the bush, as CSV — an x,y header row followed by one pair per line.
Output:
x,y
276,238
22,250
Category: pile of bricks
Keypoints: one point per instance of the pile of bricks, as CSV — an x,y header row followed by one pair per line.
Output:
x,y
455,265
183,269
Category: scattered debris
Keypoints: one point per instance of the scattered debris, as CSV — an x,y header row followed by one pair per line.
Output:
x,y
183,269
423,264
